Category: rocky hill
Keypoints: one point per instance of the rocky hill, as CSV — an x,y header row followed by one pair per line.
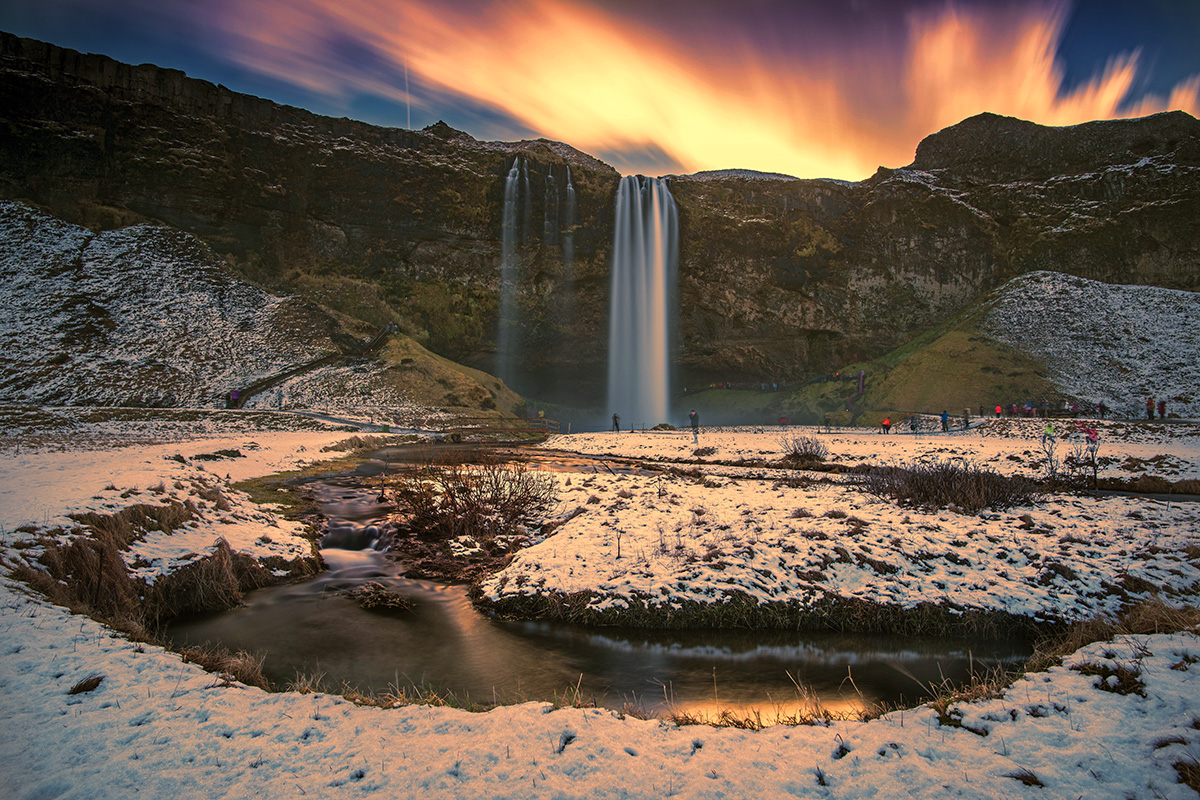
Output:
x,y
779,278
1103,342
149,316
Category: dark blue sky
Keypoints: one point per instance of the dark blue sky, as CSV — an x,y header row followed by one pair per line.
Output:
x,y
825,88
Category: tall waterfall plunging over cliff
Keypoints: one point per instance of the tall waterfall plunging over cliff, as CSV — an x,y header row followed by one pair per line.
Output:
x,y
642,306
506,335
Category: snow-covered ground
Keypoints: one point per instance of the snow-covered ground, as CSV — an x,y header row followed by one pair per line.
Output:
x,y
741,530
1111,722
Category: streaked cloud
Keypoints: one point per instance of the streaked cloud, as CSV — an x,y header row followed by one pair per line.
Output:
x,y
608,83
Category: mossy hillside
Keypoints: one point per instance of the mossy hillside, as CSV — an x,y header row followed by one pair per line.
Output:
x,y
951,367
353,297
431,380
959,370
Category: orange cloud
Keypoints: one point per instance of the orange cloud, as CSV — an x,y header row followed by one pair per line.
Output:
x,y
960,65
588,77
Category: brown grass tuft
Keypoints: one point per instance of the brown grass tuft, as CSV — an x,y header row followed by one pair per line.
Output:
x,y
88,684
238,666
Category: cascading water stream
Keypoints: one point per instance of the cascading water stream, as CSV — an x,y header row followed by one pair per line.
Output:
x,y
568,231
550,204
642,314
527,206
506,335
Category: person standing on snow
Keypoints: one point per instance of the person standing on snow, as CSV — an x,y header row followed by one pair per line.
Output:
x,y
887,424
694,418
945,421
616,423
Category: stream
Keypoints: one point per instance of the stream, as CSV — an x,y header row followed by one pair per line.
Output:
x,y
445,645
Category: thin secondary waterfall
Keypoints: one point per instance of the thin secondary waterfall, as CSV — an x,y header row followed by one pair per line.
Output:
x,y
527,208
641,312
550,204
568,231
506,335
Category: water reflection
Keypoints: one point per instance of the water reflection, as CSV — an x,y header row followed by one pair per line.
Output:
x,y
446,644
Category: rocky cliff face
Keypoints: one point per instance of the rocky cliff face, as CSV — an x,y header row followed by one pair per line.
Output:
x,y
778,278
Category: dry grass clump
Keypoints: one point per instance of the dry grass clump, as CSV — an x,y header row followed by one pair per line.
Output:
x,y
88,684
213,583
307,682
214,495
359,444
1147,617
239,666
1189,773
802,451
374,596
483,500
88,576
940,484
755,720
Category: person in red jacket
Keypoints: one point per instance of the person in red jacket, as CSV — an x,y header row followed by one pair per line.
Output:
x,y
887,424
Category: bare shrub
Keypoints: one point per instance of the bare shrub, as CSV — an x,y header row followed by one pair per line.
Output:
x,y
800,451
939,484
483,500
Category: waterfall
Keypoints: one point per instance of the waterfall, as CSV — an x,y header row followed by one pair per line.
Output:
x,y
527,208
506,334
568,234
550,204
641,311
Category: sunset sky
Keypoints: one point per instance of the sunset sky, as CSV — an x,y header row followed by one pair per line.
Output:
x,y
804,87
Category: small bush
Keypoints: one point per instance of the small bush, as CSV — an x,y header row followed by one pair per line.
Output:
x,y
940,484
801,451
483,500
